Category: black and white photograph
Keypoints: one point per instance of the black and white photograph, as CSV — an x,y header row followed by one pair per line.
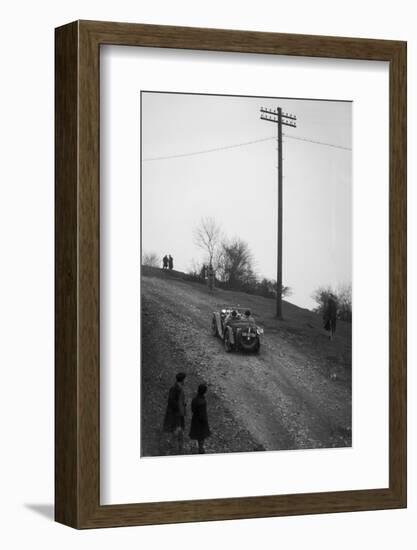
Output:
x,y
246,274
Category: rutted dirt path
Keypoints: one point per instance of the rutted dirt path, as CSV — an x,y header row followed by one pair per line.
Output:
x,y
295,394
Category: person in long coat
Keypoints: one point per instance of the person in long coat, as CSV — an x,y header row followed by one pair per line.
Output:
x,y
330,315
174,420
199,422
170,262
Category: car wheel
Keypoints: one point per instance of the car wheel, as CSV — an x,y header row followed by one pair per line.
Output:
x,y
214,326
227,344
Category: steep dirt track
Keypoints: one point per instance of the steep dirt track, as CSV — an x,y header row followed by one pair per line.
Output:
x,y
295,394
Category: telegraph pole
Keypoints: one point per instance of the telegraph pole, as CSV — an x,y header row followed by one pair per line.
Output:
x,y
279,118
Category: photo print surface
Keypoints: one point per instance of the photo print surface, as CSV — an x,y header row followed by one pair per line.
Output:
x,y
246,274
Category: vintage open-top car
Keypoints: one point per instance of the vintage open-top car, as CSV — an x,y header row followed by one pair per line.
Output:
x,y
237,328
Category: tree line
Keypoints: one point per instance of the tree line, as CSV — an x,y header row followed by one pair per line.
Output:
x,y
233,264
231,260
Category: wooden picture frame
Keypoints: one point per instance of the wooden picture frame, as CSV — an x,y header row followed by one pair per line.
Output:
x,y
77,373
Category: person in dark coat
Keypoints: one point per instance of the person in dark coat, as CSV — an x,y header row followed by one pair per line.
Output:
x,y
211,279
170,262
330,315
174,420
199,422
165,262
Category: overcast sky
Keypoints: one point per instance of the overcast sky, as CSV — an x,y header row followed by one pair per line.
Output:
x,y
238,186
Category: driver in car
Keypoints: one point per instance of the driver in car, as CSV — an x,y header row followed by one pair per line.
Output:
x,y
231,317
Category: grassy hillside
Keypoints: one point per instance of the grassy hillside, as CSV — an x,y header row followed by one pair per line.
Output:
x,y
295,394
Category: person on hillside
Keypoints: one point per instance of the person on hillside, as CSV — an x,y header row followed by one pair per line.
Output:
x,y
330,315
210,276
165,262
174,420
170,262
199,430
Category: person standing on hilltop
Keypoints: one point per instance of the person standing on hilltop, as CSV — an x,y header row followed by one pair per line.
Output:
x,y
170,262
199,422
174,420
165,262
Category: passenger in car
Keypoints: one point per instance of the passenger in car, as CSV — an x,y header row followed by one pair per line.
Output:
x,y
248,316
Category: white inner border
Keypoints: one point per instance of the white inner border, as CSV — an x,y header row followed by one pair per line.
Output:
x,y
125,477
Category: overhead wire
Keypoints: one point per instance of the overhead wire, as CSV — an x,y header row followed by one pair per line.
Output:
x,y
243,144
215,149
318,142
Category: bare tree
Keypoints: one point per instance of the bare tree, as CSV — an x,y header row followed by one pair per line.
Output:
x,y
344,298
150,259
207,235
236,264
321,296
